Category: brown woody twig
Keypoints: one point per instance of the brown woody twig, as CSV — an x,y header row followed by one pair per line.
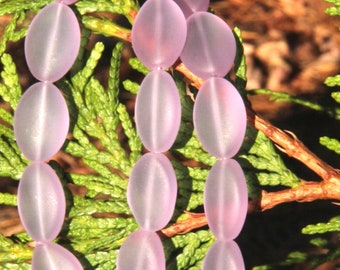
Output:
x,y
326,189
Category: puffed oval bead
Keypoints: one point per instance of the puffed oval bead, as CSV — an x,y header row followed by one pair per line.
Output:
x,y
158,111
41,202
220,118
53,256
141,250
152,191
225,199
52,42
223,255
158,33
189,7
41,121
210,47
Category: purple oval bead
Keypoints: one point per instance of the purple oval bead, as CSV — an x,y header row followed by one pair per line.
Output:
x,y
41,121
158,33
52,42
220,118
189,7
226,199
141,250
158,111
53,256
223,255
41,202
210,47
152,191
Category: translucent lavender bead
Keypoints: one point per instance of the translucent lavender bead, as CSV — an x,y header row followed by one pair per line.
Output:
x,y
41,121
152,191
158,33
53,256
52,42
141,250
189,7
225,199
220,118
210,47
223,255
41,202
158,111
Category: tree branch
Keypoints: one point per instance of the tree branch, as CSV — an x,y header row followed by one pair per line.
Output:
x,y
327,189
307,192
292,146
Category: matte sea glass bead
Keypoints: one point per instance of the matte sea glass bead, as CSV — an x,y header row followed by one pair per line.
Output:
x,y
152,191
141,250
55,257
225,199
189,7
158,111
52,42
41,202
158,33
223,255
220,118
210,46
41,121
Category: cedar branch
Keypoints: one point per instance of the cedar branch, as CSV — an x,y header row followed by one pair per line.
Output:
x,y
327,189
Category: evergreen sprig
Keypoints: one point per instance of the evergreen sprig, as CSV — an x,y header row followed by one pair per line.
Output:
x,y
333,111
193,248
262,165
12,161
331,143
332,226
14,254
334,10
10,89
14,6
11,33
122,7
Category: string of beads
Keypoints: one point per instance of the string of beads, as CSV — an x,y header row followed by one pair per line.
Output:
x,y
220,123
158,37
41,124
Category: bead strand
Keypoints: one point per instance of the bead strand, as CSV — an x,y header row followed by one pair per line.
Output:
x,y
158,36
220,123
41,123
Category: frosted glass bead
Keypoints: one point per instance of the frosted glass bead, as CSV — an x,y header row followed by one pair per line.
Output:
x,y
210,47
225,199
52,42
141,250
41,121
220,118
152,191
53,256
189,7
222,256
158,111
158,33
41,202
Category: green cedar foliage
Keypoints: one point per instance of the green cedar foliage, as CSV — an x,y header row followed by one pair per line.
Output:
x,y
104,139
